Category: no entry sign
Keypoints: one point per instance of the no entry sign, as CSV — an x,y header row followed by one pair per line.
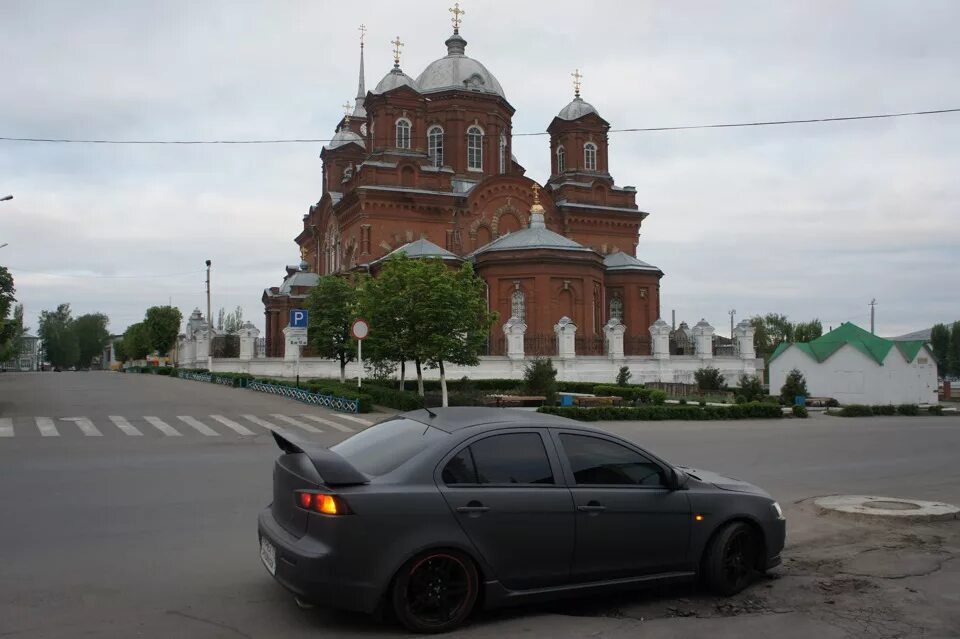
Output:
x,y
360,329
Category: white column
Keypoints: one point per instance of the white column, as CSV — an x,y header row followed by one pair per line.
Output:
x,y
291,351
614,330
743,334
202,352
660,340
566,332
514,330
248,340
703,338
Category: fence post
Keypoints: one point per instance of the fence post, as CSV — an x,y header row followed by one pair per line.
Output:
x,y
566,332
514,330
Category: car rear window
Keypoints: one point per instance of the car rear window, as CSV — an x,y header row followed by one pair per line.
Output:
x,y
384,447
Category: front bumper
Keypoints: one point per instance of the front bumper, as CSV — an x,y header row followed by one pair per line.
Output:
x,y
776,539
308,569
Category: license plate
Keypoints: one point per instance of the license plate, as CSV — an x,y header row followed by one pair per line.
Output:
x,y
268,554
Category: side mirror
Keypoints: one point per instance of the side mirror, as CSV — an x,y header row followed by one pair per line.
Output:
x,y
678,479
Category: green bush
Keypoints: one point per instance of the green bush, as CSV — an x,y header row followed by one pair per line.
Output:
x,y
856,410
800,411
794,386
166,370
884,409
629,393
683,402
751,388
908,409
623,376
754,410
708,379
575,387
832,403
393,398
540,378
703,403
936,409
741,399
658,397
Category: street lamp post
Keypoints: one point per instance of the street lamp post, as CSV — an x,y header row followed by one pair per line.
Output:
x,y
209,324
5,198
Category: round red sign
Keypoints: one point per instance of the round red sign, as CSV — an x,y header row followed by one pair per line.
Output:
x,y
360,329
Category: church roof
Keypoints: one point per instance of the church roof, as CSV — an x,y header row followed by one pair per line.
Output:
x,y
458,71
536,236
421,248
396,78
343,137
875,348
621,261
299,278
577,108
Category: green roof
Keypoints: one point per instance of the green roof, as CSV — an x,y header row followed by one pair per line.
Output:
x,y
876,348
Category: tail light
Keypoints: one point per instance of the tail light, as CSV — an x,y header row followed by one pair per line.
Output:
x,y
323,503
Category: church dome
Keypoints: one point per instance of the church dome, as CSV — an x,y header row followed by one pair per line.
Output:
x,y
577,109
458,71
345,136
396,78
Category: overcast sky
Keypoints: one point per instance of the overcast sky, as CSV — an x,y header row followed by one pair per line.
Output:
x,y
808,220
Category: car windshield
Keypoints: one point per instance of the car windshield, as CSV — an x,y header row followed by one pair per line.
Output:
x,y
383,448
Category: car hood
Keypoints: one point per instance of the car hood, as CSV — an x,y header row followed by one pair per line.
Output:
x,y
723,482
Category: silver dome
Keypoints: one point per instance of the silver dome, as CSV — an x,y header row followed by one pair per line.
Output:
x,y
344,136
458,71
577,109
396,78
535,236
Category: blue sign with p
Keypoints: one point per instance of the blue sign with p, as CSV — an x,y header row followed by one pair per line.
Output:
x,y
298,318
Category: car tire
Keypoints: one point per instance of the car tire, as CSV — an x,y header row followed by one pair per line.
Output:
x,y
730,561
435,591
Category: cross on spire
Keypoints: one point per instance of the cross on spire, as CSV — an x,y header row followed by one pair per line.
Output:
x,y
536,193
347,108
396,51
363,33
456,20
577,82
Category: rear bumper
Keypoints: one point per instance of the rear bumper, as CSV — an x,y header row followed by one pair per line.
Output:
x,y
308,569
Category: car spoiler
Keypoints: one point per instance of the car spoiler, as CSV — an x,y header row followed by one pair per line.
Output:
x,y
333,469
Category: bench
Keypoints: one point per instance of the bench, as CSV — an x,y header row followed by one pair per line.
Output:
x,y
502,401
610,400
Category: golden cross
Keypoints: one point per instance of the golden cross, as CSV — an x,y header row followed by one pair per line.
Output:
x,y
396,50
577,82
457,12
363,33
347,107
303,253
536,193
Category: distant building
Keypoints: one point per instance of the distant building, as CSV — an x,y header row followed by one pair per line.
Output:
x,y
29,357
109,361
854,366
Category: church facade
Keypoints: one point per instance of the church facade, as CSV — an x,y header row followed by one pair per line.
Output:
x,y
424,165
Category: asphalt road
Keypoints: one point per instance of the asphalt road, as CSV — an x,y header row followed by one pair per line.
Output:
x,y
154,535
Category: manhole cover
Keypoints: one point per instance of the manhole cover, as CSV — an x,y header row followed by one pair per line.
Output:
x,y
891,505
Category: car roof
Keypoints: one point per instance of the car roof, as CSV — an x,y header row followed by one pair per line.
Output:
x,y
458,418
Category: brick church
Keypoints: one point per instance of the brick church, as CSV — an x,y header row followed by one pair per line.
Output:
x,y
424,165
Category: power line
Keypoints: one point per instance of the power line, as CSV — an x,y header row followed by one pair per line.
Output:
x,y
730,125
103,277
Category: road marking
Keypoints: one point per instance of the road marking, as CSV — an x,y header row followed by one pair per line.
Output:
x,y
84,425
327,422
200,426
262,422
359,420
298,423
125,426
6,427
163,427
229,423
46,427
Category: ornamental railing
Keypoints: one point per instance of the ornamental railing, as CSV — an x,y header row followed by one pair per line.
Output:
x,y
540,345
197,377
588,345
317,399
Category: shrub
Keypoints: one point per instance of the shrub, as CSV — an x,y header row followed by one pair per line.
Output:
x,y
751,388
658,397
637,394
885,409
800,411
936,409
683,402
623,376
709,379
540,378
908,409
703,403
754,410
794,386
166,370
856,410
572,387
832,403
741,399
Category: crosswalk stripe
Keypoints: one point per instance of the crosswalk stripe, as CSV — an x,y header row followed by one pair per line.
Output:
x,y
200,426
298,423
262,422
359,420
163,427
46,427
85,425
125,426
229,423
6,427
327,422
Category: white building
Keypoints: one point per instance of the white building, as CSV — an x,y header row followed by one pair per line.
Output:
x,y
854,366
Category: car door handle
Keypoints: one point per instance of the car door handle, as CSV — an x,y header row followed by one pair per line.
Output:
x,y
473,507
592,507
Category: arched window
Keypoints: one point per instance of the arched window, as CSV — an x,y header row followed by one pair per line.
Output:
x,y
403,133
616,309
503,153
561,160
435,145
475,148
590,156
518,306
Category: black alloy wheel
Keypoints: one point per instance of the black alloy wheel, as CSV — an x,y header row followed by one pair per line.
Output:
x,y
435,592
731,559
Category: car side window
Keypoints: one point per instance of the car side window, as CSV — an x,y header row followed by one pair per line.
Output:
x,y
460,469
600,461
513,458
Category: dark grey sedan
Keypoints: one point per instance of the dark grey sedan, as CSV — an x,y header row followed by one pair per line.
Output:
x,y
431,513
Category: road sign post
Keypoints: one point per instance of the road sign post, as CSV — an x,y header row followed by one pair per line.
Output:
x,y
360,330
299,319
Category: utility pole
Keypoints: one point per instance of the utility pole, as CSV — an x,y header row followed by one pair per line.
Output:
x,y
209,324
732,312
873,312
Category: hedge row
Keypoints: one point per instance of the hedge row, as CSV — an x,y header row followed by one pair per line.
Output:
x,y
632,393
752,410
862,410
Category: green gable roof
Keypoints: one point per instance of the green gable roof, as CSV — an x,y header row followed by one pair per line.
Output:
x,y
876,348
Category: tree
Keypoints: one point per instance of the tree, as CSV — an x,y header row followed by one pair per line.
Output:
x,y
233,322
953,355
540,378
940,342
794,386
8,330
333,307
162,324
92,336
388,303
708,379
11,335
136,341
807,331
773,329
751,388
623,376
59,339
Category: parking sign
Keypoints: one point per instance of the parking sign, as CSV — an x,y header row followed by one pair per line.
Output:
x,y
298,318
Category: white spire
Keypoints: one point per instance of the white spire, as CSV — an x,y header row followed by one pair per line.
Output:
x,y
358,110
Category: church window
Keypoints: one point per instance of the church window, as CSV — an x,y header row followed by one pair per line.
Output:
x,y
616,309
518,305
561,159
403,133
590,156
435,145
475,148
503,153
